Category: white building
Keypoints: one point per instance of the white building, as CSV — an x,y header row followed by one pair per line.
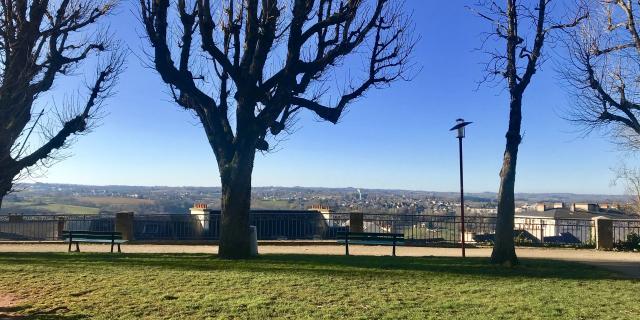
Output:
x,y
559,221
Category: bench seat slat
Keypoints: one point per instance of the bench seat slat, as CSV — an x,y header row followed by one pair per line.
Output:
x,y
88,236
372,234
385,243
95,240
91,232
374,237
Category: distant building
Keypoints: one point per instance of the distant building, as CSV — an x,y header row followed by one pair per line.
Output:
x,y
540,207
320,208
591,207
555,221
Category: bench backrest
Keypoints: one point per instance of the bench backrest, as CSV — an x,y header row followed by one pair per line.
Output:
x,y
371,236
86,234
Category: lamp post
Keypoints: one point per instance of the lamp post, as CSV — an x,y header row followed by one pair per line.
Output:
x,y
460,124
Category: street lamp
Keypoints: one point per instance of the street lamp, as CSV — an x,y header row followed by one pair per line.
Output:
x,y
460,124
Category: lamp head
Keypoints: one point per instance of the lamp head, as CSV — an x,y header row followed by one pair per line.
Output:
x,y
460,124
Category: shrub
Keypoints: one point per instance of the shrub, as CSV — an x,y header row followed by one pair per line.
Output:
x,y
631,244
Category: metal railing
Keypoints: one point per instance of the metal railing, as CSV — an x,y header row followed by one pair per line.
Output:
x,y
50,227
425,229
623,228
302,225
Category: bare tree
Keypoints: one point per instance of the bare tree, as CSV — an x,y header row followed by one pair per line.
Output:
x,y
604,70
40,42
266,60
630,179
524,28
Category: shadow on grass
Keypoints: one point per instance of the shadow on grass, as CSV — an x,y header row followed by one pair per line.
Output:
x,y
348,266
21,312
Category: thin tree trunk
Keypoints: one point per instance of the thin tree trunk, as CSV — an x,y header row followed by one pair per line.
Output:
x,y
504,249
4,190
6,181
235,205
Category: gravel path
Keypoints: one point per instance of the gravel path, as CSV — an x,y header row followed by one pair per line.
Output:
x,y
627,263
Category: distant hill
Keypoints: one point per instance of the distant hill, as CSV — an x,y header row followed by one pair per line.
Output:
x,y
480,197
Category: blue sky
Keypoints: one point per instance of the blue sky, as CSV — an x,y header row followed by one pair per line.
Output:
x,y
396,138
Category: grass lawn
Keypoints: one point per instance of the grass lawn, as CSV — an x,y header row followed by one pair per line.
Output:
x,y
51,208
196,286
68,209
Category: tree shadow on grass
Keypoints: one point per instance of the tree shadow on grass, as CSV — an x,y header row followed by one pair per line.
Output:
x,y
23,312
347,266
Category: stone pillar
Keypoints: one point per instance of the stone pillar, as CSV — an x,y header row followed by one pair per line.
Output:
x,y
356,222
202,214
124,224
604,233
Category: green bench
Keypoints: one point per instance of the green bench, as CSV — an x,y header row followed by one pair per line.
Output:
x,y
85,236
370,238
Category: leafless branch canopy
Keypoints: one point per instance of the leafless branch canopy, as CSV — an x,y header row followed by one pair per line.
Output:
x,y
525,27
40,41
604,71
256,63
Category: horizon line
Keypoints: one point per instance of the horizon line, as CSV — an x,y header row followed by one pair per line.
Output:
x,y
316,187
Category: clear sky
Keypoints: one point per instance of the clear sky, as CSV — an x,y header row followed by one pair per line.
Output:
x,y
395,138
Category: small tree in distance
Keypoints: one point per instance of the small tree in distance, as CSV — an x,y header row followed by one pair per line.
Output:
x,y
40,42
629,177
246,67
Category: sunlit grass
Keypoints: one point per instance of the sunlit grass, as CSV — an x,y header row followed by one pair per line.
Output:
x,y
196,286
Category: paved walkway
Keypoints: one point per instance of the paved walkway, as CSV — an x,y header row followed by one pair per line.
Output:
x,y
627,263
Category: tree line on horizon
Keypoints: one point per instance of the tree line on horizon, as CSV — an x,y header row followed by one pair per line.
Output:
x,y
247,68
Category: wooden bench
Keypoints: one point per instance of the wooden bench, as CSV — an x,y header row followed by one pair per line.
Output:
x,y
370,238
77,236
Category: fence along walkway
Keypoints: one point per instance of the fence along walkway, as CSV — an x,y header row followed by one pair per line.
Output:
x,y
310,225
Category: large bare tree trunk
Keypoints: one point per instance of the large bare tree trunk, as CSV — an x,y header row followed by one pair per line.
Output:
x,y
504,250
236,203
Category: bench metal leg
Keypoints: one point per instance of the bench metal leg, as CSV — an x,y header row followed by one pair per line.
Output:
x,y
119,248
77,247
112,248
394,250
346,243
69,246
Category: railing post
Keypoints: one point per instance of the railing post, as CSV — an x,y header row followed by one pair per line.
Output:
x,y
356,222
604,233
124,224
60,230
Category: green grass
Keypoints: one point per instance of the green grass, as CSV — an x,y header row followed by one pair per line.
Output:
x,y
196,286
51,208
68,209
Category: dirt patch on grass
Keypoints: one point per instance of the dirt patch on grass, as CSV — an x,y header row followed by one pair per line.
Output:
x,y
8,300
9,306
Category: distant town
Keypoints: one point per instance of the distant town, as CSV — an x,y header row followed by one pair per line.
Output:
x,y
40,198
